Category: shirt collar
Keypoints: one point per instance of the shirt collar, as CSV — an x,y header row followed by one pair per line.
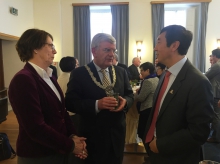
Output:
x,y
175,69
42,73
98,68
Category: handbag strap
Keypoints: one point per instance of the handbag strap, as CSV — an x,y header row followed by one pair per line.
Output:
x,y
13,153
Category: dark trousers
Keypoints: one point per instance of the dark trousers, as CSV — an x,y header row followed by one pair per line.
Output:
x,y
101,151
142,122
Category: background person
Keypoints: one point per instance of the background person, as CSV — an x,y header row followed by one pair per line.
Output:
x,y
144,95
67,64
116,63
46,133
54,73
160,68
214,77
133,69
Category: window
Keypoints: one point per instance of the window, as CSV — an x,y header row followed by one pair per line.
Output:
x,y
184,15
175,17
100,20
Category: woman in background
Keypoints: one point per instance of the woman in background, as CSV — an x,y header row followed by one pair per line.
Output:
x,y
144,95
67,64
46,133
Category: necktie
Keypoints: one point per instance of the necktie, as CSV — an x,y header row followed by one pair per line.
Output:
x,y
150,133
105,80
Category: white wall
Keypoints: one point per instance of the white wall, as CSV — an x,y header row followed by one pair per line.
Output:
x,y
213,29
47,16
15,25
56,17
139,24
11,61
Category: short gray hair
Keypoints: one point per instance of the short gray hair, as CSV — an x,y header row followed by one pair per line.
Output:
x,y
102,37
134,59
116,57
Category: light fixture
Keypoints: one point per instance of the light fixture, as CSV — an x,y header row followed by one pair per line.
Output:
x,y
218,43
139,47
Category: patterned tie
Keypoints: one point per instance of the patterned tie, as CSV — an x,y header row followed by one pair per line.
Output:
x,y
150,133
105,80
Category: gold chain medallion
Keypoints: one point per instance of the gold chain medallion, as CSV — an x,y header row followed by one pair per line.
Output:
x,y
106,88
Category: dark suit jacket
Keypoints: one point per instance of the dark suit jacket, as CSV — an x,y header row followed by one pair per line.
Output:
x,y
135,75
44,124
183,122
213,74
104,128
126,68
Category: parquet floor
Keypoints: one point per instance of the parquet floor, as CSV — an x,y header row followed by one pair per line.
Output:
x,y
10,126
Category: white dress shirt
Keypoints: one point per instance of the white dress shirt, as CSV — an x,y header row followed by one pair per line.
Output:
x,y
174,70
46,77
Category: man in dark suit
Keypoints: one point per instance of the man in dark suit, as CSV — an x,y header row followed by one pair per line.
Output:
x,y
116,63
180,125
102,122
213,74
133,69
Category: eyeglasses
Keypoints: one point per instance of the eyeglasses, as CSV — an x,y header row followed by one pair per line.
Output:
x,y
107,50
51,45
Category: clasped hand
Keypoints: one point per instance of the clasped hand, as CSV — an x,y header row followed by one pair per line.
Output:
x,y
153,145
110,103
80,147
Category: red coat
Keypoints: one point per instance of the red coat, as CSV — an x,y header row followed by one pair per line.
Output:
x,y
44,124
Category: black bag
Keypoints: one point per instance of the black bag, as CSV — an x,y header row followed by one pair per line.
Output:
x,y
6,151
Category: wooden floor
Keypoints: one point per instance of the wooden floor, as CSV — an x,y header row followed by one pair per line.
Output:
x,y
10,126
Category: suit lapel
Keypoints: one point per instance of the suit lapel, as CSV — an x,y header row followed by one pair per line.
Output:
x,y
174,88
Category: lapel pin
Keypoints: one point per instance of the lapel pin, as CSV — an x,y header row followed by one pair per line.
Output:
x,y
171,92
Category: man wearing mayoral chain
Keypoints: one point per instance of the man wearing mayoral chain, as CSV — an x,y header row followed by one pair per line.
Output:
x,y
89,94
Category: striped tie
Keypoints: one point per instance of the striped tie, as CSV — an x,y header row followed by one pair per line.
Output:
x,y
105,80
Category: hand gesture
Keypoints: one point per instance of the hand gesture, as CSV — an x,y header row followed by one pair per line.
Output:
x,y
153,145
108,103
122,103
80,147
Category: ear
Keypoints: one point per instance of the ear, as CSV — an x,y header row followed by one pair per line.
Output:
x,y
94,52
35,51
174,46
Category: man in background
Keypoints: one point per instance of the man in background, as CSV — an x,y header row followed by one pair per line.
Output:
x,y
133,69
214,77
116,63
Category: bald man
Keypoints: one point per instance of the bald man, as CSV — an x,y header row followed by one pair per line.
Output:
x,y
133,69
